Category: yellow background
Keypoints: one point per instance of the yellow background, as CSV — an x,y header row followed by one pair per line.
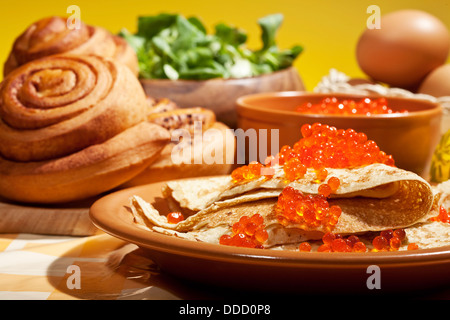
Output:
x,y
328,29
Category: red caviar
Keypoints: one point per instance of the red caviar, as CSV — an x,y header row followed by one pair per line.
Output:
x,y
320,147
380,243
340,245
294,169
395,243
307,211
336,243
400,234
325,248
443,216
328,237
352,240
246,173
331,186
387,234
175,217
413,246
389,240
325,190
324,146
321,174
334,184
304,247
248,232
359,247
331,105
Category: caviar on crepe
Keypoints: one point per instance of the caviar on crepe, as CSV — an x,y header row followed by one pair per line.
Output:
x,y
324,146
391,240
413,246
294,169
380,243
337,243
175,217
247,173
348,107
248,232
304,247
387,240
306,211
334,183
324,189
320,147
443,216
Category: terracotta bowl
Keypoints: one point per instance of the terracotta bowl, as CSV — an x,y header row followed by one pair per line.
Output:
x,y
220,95
410,138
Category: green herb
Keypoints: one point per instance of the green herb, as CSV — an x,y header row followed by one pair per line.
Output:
x,y
170,46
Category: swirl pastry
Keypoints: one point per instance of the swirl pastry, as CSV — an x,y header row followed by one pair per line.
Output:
x,y
51,36
72,127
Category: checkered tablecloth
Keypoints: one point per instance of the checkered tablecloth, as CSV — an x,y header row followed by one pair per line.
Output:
x,y
43,267
98,267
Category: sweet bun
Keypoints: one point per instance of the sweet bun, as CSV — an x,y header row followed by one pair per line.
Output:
x,y
51,36
72,126
86,173
63,103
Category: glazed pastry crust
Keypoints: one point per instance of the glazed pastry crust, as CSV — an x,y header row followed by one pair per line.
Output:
x,y
51,36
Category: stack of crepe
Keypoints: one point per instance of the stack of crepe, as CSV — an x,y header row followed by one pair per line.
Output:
x,y
373,198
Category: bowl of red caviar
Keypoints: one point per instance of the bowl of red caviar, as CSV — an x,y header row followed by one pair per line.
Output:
x,y
408,129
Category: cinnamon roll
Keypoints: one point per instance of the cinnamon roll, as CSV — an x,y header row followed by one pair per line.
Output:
x,y
71,127
51,36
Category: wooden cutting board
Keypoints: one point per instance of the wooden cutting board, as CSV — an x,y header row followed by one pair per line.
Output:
x,y
68,219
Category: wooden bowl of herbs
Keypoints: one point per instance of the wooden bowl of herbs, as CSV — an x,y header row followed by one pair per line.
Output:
x,y
180,61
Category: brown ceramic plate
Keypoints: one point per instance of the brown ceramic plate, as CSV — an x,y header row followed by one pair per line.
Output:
x,y
269,270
